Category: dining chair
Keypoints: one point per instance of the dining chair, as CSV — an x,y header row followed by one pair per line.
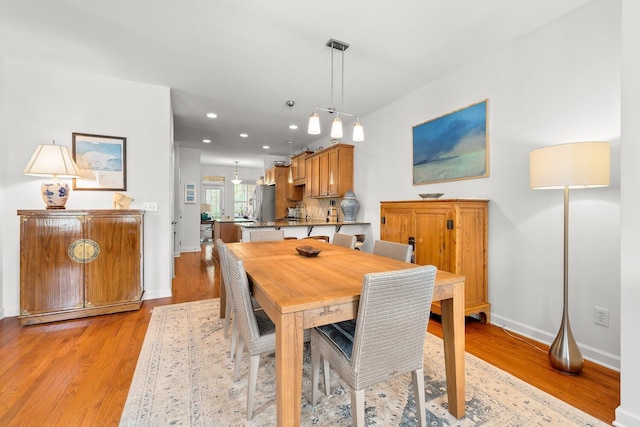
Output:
x,y
229,308
256,331
346,240
266,235
394,250
385,341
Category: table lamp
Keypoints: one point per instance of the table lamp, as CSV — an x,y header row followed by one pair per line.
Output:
x,y
568,166
54,161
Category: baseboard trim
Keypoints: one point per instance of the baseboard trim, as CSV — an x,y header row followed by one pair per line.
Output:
x,y
608,360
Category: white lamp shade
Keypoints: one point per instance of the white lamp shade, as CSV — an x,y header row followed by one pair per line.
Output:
x,y
358,132
314,124
575,165
336,128
52,160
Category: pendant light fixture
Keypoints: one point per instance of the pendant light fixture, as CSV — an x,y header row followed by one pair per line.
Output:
x,y
290,104
336,123
236,181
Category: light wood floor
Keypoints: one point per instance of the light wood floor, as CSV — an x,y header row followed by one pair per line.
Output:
x,y
77,373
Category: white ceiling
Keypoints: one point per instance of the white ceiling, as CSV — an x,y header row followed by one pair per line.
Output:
x,y
244,59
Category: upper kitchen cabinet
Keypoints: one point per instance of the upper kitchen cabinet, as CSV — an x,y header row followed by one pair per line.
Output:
x,y
298,168
329,172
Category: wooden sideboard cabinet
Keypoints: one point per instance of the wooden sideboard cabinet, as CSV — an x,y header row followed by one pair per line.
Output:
x,y
450,234
329,172
76,263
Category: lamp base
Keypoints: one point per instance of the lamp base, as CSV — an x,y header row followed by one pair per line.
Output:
x,y
55,193
564,353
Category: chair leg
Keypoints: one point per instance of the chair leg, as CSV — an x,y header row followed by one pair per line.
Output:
x,y
357,408
315,373
227,318
234,338
326,371
417,378
239,349
251,387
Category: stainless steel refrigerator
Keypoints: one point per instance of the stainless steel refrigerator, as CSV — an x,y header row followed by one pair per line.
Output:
x,y
264,203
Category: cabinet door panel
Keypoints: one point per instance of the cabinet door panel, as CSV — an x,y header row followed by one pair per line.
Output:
x,y
471,254
114,276
50,279
433,238
398,225
324,173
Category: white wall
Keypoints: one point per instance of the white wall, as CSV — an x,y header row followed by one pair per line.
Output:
x,y
41,104
2,173
189,212
559,84
628,414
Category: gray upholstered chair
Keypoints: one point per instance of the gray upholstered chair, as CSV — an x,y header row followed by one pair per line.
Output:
x,y
256,331
346,240
395,250
230,309
266,235
386,340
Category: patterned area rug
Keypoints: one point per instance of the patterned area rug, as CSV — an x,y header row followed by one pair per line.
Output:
x,y
184,377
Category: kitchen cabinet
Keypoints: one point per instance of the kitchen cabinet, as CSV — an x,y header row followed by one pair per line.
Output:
x,y
329,172
76,264
293,192
270,176
286,194
450,234
298,168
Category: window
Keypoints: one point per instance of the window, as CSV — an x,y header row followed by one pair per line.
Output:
x,y
242,199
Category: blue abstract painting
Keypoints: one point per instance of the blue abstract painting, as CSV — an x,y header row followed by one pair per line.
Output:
x,y
451,147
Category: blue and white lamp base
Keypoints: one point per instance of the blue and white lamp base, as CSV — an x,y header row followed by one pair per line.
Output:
x,y
55,193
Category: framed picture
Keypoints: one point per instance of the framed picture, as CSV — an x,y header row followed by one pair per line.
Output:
x,y
102,161
452,147
190,193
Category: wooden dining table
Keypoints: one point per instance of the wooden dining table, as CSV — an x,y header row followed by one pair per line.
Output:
x,y
299,292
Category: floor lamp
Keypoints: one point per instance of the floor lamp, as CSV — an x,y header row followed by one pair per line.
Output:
x,y
568,166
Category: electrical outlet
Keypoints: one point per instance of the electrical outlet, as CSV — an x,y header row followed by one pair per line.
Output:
x,y
151,207
601,316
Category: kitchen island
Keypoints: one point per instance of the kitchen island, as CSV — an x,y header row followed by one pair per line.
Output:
x,y
305,228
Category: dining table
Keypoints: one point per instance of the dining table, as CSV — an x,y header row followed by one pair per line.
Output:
x,y
298,292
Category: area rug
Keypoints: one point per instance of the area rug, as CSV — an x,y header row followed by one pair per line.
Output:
x,y
184,377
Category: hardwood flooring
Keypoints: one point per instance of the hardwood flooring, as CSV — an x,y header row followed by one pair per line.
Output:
x,y
78,372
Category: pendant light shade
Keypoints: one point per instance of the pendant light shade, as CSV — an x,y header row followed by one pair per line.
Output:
x,y
336,123
358,131
236,181
314,124
336,128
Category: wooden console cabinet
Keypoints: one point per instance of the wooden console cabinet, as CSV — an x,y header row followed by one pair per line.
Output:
x,y
76,263
450,234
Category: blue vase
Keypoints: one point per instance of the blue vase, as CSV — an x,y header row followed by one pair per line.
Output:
x,y
349,206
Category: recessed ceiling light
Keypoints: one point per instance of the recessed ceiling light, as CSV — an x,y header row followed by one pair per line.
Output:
x,y
266,147
244,135
212,115
293,127
206,141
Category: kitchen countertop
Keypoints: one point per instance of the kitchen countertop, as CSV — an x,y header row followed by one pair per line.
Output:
x,y
234,220
299,223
